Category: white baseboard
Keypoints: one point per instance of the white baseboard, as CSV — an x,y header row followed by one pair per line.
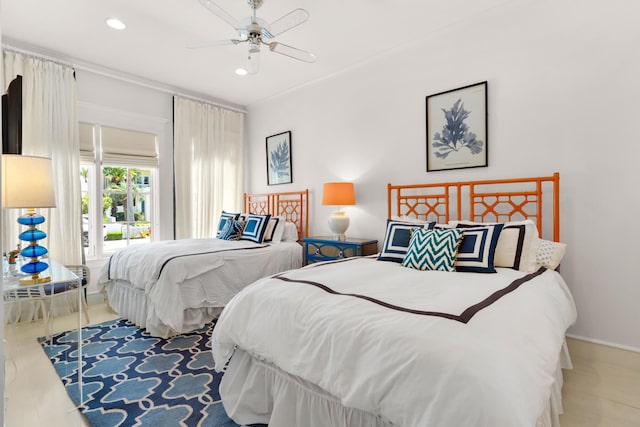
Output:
x,y
608,344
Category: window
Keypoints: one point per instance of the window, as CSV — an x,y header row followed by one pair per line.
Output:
x,y
117,172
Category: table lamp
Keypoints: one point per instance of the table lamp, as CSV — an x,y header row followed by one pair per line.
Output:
x,y
27,183
338,194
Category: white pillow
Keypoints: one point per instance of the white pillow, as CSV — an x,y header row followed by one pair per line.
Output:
x,y
290,232
549,254
272,229
279,231
421,222
411,219
516,246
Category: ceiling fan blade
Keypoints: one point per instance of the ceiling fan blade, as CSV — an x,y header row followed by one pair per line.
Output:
x,y
214,43
288,21
221,13
293,52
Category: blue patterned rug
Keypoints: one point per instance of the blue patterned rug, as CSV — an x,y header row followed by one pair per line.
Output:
x,y
131,378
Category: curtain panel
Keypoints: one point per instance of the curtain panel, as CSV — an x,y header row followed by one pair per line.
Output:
x,y
49,129
208,162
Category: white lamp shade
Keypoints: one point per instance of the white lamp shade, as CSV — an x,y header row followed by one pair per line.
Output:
x,y
27,182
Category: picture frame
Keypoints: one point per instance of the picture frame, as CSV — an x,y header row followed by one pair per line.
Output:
x,y
279,169
457,128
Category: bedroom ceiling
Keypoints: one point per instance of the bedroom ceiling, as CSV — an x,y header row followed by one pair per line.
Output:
x,y
153,47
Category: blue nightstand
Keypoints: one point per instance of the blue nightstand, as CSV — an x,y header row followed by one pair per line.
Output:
x,y
318,249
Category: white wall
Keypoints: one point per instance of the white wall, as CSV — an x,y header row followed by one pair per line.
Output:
x,y
563,96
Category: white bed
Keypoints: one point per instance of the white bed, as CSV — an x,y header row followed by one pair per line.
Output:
x,y
365,342
176,286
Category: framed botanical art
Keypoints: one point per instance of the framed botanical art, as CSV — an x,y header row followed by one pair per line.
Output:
x,y
457,128
279,159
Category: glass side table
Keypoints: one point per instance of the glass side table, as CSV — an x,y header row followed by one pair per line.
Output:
x,y
43,293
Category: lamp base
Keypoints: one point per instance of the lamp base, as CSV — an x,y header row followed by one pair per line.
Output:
x,y
338,224
34,280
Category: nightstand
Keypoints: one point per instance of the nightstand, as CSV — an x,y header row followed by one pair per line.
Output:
x,y
318,249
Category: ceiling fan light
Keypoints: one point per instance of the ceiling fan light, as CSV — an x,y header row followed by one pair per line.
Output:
x,y
253,62
116,24
241,71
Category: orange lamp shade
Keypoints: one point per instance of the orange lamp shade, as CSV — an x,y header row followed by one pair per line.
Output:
x,y
338,193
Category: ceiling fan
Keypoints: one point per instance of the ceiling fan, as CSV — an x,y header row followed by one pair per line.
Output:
x,y
257,32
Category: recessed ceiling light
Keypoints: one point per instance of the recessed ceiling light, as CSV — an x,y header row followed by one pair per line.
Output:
x,y
241,72
116,24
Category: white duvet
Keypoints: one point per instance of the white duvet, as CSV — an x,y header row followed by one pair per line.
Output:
x,y
177,275
391,341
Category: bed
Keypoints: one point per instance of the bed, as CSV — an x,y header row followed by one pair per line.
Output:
x,y
376,341
172,287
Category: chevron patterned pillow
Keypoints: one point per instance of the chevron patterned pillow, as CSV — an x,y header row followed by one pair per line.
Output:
x,y
433,249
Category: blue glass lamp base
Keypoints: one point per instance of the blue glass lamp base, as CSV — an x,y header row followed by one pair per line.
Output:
x,y
33,251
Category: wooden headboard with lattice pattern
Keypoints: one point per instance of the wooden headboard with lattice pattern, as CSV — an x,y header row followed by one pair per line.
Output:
x,y
292,205
497,200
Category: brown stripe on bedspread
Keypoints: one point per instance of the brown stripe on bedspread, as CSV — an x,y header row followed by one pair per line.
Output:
x,y
466,315
183,255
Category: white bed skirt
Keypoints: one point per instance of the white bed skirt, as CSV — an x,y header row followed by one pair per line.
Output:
x,y
132,304
254,391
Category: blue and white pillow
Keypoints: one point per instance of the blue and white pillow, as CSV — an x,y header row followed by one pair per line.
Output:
x,y
224,217
477,250
396,240
255,227
433,249
232,230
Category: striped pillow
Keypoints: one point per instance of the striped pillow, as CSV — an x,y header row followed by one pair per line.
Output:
x,y
477,249
433,249
396,240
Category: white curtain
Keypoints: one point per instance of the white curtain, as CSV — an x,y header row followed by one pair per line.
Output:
x,y
208,156
49,129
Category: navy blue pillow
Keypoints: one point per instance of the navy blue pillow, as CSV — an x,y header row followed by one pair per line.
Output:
x,y
397,238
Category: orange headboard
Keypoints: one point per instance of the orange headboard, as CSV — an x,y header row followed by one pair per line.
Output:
x,y
293,206
497,200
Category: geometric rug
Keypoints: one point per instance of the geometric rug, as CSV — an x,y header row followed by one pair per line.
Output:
x,y
131,378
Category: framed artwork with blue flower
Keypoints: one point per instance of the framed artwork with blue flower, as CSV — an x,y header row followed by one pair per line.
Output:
x,y
279,159
457,128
